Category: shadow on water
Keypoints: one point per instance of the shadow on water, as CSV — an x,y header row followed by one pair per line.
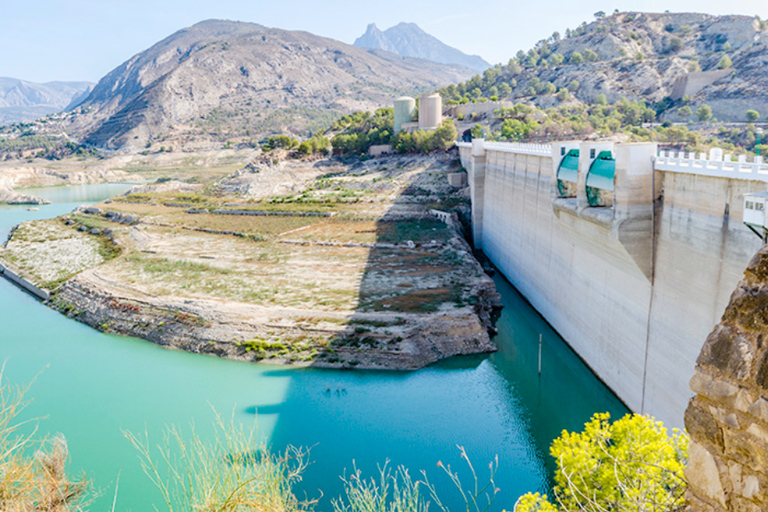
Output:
x,y
489,404
93,386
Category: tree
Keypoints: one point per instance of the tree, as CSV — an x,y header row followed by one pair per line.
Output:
x,y
576,58
725,62
556,59
599,15
573,85
675,43
685,111
704,113
445,135
563,95
512,129
752,116
477,132
590,55
550,88
555,37
601,99
504,89
631,465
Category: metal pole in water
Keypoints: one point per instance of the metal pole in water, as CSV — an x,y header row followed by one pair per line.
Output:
x,y
539,355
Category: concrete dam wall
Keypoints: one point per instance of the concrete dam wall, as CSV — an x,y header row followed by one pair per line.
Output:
x,y
630,254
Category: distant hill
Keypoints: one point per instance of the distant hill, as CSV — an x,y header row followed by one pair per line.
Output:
x,y
720,61
408,40
230,81
25,101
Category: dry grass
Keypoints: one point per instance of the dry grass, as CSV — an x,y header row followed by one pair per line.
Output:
x,y
50,252
232,473
264,226
33,473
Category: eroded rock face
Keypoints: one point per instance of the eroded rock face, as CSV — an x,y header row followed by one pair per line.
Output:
x,y
728,417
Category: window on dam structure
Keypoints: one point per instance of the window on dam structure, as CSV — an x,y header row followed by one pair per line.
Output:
x,y
568,174
600,179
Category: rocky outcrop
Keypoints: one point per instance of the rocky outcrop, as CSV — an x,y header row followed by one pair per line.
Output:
x,y
728,417
410,342
10,196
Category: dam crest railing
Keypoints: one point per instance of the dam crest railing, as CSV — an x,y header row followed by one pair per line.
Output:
x,y
514,147
713,164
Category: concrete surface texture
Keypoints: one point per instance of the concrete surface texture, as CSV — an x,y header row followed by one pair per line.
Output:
x,y
634,287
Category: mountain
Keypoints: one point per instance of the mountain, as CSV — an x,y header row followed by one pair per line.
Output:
x,y
408,40
25,101
231,81
668,59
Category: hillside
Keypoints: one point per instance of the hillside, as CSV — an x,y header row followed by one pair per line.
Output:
x,y
409,40
223,81
24,101
693,58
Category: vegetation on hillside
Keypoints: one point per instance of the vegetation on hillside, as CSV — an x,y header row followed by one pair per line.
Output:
x,y
21,141
613,46
635,120
357,132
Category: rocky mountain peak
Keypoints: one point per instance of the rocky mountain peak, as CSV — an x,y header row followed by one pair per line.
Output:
x,y
409,40
221,80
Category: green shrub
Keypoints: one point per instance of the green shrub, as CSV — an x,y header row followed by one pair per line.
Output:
x,y
576,58
704,113
631,465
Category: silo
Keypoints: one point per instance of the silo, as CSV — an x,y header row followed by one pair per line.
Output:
x,y
430,111
405,107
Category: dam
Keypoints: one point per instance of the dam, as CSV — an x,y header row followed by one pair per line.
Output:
x,y
629,252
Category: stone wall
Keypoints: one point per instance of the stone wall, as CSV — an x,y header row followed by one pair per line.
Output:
x,y
728,417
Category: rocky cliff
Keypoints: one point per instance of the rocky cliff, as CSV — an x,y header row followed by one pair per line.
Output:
x,y
728,417
409,40
223,80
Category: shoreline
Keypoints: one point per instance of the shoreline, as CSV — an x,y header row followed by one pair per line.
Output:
x,y
383,279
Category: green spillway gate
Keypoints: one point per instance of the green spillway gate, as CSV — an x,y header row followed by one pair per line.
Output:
x,y
568,171
600,177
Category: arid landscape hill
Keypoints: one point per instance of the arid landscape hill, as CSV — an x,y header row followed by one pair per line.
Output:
x,y
223,80
644,56
21,100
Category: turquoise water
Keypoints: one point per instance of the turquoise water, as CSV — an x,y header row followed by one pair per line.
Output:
x,y
91,386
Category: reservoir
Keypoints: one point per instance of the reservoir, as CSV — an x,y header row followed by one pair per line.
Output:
x,y
92,387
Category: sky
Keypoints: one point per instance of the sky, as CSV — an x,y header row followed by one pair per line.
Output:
x,y
82,40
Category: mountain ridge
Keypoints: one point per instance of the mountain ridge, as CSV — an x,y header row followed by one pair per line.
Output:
x,y
22,100
223,80
409,40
